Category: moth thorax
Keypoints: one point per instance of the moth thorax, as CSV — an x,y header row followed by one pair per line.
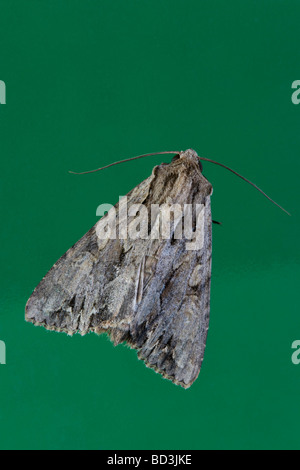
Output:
x,y
191,156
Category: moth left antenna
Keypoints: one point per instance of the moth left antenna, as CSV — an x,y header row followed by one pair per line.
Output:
x,y
122,161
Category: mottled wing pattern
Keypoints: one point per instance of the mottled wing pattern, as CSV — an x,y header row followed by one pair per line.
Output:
x,y
152,293
87,288
170,325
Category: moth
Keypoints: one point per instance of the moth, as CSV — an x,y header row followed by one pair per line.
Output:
x,y
152,292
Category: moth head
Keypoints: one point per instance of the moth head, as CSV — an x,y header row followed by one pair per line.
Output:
x,y
189,155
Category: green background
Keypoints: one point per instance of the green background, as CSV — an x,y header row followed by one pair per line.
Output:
x,y
91,82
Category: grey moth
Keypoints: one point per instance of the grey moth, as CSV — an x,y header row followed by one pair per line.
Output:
x,y
151,289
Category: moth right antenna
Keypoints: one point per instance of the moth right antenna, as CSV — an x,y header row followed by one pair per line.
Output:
x,y
245,179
